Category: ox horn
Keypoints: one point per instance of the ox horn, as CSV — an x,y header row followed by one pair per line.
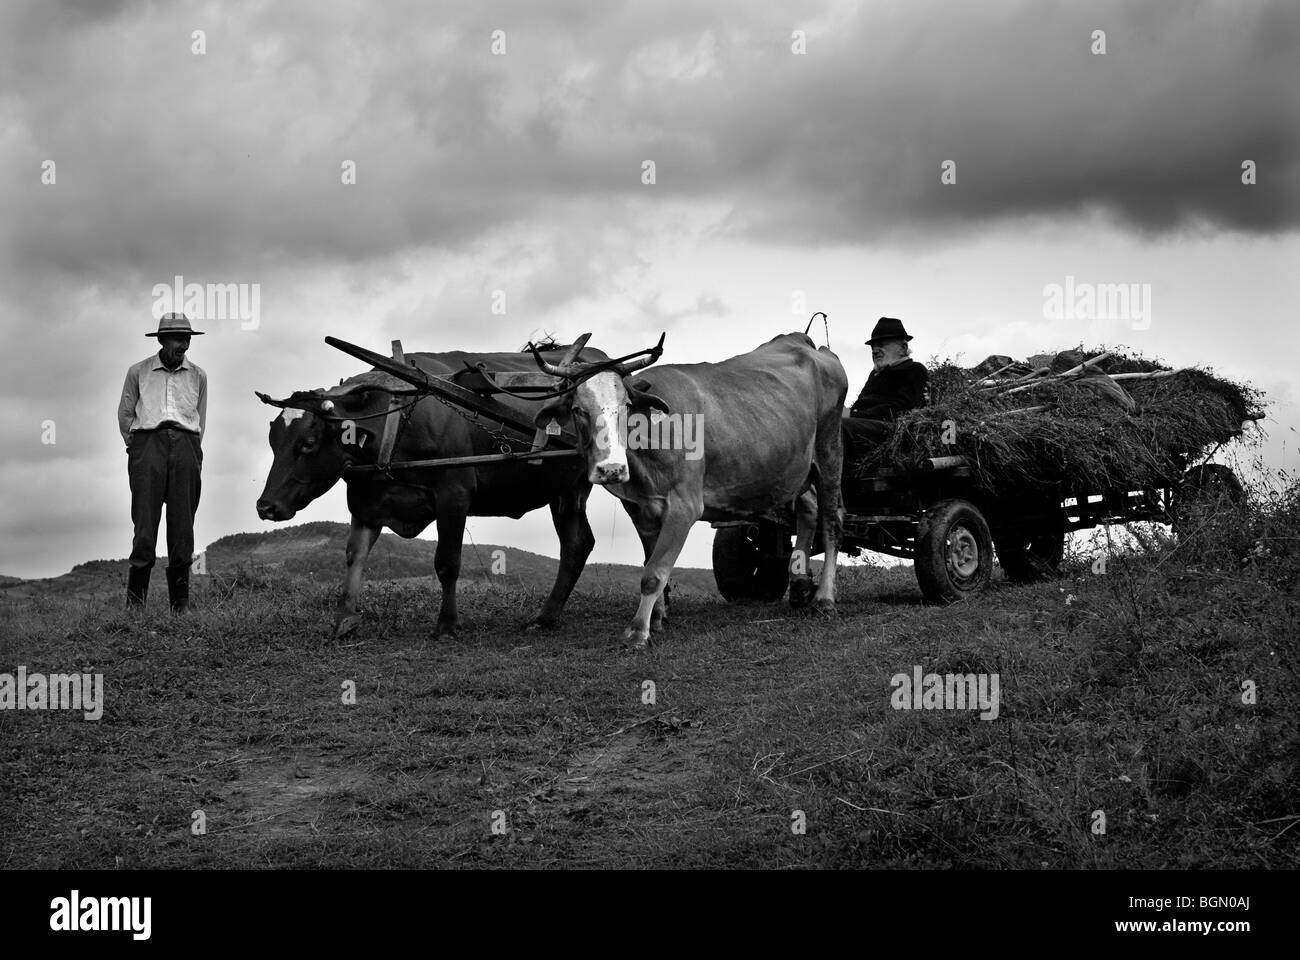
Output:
x,y
294,401
575,348
568,365
653,354
297,401
373,380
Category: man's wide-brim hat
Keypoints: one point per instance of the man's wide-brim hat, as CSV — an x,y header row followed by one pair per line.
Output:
x,y
175,323
887,328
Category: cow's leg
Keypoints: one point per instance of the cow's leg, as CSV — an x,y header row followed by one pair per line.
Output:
x,y
829,454
672,521
569,514
648,530
360,540
446,564
801,583
660,613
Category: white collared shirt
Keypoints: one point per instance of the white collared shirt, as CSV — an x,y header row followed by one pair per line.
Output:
x,y
152,394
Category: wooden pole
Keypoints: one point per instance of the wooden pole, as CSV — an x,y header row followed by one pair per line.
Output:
x,y
1147,375
1087,363
513,423
1059,376
1005,413
988,381
945,463
525,455
1029,376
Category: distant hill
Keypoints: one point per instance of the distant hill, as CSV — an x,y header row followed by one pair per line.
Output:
x,y
315,551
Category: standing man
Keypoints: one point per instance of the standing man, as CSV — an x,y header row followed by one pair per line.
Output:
x,y
162,416
896,385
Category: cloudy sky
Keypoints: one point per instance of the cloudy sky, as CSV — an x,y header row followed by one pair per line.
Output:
x,y
799,152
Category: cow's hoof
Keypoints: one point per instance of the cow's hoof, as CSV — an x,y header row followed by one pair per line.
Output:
x,y
635,640
345,626
444,631
826,608
801,591
539,623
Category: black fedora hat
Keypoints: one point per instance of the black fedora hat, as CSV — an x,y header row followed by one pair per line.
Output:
x,y
887,328
174,323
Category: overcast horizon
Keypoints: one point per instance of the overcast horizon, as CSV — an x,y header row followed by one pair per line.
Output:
x,y
470,176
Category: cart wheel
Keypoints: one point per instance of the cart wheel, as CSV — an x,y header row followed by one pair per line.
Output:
x,y
954,551
1203,490
1031,555
752,562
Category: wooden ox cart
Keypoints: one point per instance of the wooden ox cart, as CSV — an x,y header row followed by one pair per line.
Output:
x,y
937,518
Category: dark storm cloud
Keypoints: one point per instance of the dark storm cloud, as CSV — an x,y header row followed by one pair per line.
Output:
x,y
170,162
1153,132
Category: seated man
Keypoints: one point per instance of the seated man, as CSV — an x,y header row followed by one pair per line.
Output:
x,y
896,385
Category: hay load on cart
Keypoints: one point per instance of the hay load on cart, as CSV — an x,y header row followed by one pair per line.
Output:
x,y
1096,420
1015,456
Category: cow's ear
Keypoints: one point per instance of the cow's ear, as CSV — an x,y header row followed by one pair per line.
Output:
x,y
641,398
557,409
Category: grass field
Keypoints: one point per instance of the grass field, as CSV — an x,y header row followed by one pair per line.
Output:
x,y
1120,693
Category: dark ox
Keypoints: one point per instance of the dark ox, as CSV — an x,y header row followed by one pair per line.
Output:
x,y
768,425
311,455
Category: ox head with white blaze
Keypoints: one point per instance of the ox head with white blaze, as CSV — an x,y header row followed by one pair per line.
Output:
x,y
315,439
598,399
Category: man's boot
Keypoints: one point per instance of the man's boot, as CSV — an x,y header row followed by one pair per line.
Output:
x,y
137,586
178,588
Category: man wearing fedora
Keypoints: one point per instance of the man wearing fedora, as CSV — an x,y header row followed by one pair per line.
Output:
x,y
162,417
896,385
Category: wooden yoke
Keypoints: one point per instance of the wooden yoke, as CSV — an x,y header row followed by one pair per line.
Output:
x,y
532,380
514,424
391,422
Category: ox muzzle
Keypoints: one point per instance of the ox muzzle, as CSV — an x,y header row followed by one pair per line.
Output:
x,y
609,471
272,510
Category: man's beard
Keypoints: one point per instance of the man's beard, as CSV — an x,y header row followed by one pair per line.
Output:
x,y
888,361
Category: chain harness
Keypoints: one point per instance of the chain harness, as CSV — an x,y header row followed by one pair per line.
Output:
x,y
504,444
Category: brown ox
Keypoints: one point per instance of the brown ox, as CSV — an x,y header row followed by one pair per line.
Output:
x,y
322,432
713,441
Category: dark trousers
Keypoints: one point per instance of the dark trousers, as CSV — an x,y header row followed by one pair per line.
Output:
x,y
860,436
163,466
